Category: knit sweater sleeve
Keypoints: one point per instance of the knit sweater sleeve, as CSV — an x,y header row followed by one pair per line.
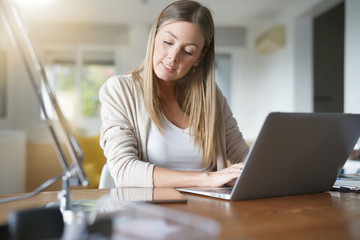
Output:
x,y
236,147
119,134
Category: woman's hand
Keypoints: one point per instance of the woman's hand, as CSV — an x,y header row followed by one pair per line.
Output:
x,y
164,177
226,176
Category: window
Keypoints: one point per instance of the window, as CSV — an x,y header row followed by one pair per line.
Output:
x,y
76,77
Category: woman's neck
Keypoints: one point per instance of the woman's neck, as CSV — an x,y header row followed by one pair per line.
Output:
x,y
170,105
166,90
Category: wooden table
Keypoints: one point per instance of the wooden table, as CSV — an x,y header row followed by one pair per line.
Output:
x,y
330,215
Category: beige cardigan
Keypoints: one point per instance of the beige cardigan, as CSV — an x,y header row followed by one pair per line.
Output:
x,y
125,126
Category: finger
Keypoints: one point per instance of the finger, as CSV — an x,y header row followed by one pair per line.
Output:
x,y
232,182
238,166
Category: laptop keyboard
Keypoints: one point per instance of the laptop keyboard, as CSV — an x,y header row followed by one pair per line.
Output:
x,y
222,190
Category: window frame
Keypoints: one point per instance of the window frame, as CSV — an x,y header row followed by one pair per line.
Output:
x,y
77,54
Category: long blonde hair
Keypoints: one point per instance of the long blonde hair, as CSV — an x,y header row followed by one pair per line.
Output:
x,y
197,87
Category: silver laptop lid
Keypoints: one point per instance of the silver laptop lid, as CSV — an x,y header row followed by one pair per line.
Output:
x,y
297,153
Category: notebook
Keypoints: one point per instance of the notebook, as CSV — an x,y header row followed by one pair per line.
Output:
x,y
294,153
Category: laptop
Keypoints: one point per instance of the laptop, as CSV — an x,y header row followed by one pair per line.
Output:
x,y
294,153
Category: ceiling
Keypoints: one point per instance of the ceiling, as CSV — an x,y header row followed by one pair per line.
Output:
x,y
225,12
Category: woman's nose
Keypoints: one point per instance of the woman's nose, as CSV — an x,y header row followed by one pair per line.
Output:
x,y
174,55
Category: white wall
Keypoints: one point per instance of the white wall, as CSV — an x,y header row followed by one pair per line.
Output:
x,y
283,80
352,57
269,78
12,161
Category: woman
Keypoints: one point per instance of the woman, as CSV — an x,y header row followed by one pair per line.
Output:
x,y
167,124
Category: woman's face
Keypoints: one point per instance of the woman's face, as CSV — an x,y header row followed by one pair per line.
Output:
x,y
178,47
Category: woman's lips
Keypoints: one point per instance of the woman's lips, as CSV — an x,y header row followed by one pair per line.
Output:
x,y
168,68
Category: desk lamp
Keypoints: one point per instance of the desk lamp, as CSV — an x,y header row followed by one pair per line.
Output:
x,y
73,174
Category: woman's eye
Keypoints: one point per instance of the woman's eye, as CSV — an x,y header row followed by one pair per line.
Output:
x,y
188,53
167,43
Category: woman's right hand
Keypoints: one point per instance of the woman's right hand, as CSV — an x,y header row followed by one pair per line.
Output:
x,y
226,176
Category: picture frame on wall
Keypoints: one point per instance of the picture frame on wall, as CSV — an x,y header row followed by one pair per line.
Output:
x,y
2,83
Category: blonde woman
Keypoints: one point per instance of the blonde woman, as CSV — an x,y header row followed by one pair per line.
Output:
x,y
167,124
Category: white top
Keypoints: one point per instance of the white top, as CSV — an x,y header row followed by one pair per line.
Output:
x,y
173,149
